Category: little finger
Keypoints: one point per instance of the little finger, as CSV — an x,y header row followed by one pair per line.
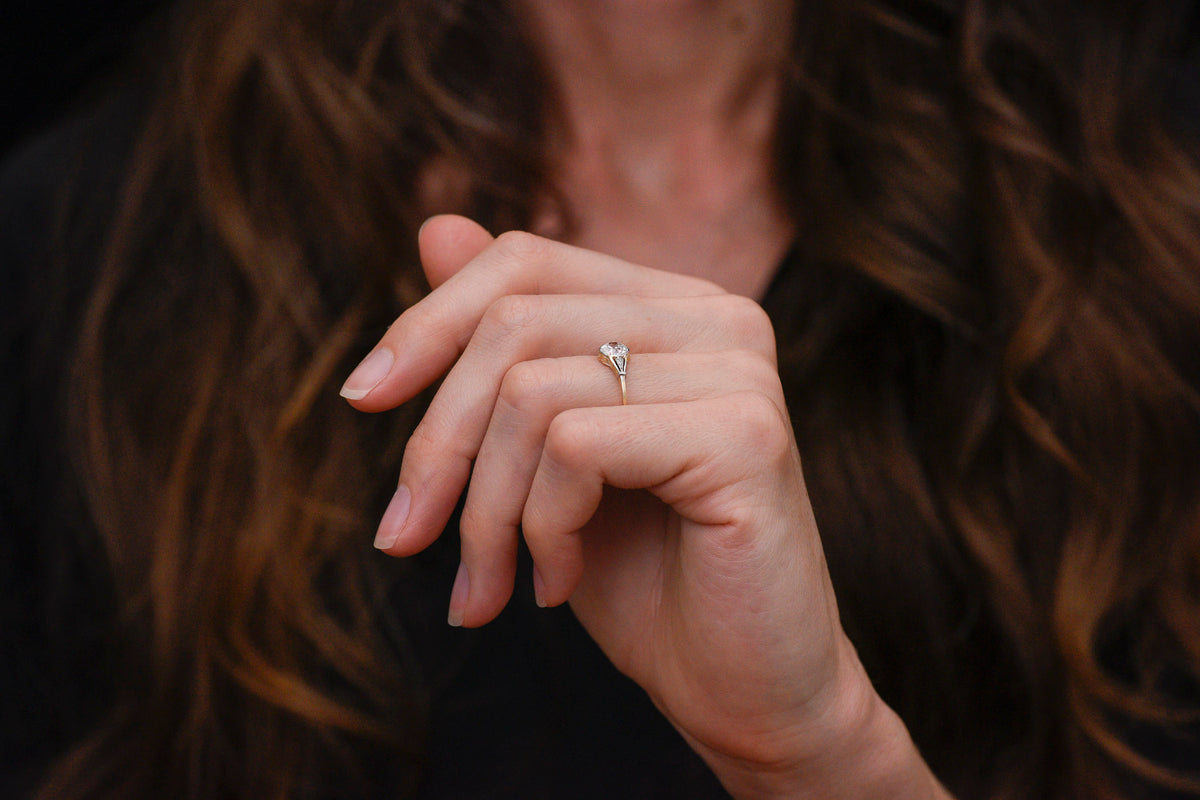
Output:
x,y
706,459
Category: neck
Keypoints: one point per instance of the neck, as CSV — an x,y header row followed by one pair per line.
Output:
x,y
638,64
667,113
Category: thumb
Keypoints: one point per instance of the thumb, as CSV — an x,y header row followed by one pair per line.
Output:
x,y
446,243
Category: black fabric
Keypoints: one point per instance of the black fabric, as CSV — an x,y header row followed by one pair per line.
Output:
x,y
528,705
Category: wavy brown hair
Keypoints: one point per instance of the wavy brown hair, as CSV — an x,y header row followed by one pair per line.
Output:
x,y
990,348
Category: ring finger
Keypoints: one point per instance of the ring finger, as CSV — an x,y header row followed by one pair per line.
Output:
x,y
532,394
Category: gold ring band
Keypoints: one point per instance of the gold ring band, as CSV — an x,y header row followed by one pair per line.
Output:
x,y
616,356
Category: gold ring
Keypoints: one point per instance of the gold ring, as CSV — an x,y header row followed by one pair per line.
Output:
x,y
616,356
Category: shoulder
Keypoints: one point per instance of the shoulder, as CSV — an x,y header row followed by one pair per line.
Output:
x,y
57,193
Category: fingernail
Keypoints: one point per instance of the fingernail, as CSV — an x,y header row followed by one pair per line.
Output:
x,y
539,588
394,518
458,596
367,375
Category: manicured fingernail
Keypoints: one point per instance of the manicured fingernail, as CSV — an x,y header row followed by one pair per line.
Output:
x,y
539,588
458,596
394,518
367,375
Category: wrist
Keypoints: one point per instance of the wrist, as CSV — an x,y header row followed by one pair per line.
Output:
x,y
851,745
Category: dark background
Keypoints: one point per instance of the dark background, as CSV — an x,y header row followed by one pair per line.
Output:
x,y
55,53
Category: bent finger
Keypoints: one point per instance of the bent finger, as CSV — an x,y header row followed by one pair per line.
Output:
x,y
709,459
532,395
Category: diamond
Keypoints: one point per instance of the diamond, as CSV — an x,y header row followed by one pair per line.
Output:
x,y
616,355
614,350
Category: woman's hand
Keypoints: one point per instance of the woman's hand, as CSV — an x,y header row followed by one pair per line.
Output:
x,y
677,526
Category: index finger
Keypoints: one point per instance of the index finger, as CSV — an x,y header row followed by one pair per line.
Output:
x,y
427,338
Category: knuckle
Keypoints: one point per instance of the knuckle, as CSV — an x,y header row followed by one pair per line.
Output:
x,y
474,520
511,314
751,323
757,372
421,441
520,247
760,424
427,446
570,441
528,386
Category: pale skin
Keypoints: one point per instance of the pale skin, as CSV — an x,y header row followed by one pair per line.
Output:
x,y
677,527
